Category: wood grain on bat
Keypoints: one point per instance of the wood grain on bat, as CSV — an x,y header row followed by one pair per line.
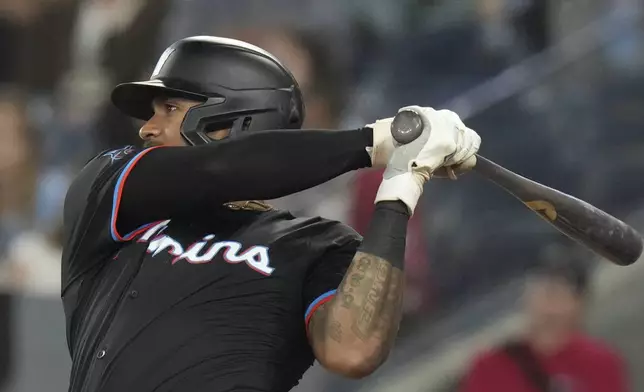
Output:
x,y
543,208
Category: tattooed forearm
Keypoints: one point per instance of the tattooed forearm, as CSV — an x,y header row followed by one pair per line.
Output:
x,y
374,302
320,326
358,271
335,331
358,327
370,297
365,314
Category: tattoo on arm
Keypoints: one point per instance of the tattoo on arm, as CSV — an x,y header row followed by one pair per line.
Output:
x,y
374,303
363,318
371,292
367,308
319,326
335,331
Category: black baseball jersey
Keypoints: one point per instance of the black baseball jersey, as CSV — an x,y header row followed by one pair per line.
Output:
x,y
208,300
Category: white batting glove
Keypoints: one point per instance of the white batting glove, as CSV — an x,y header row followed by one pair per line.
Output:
x,y
444,142
467,146
383,142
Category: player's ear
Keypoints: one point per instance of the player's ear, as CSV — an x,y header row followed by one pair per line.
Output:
x,y
218,134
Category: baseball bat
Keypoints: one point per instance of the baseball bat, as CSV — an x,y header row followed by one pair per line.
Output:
x,y
597,230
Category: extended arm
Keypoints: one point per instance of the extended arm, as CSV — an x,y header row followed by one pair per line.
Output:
x,y
167,181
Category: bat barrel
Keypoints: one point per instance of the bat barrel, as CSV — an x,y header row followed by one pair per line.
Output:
x,y
599,231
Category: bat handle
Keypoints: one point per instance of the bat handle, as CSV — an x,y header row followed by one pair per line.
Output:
x,y
488,168
406,126
501,176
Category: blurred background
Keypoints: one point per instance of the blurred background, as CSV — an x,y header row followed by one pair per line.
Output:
x,y
555,88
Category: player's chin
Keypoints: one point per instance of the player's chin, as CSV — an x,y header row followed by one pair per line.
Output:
x,y
150,143
156,143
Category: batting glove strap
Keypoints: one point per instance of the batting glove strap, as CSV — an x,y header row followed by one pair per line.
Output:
x,y
383,142
406,187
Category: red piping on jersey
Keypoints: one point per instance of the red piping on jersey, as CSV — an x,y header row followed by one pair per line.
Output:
x,y
118,192
315,305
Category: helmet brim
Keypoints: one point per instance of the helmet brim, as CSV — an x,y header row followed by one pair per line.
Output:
x,y
135,99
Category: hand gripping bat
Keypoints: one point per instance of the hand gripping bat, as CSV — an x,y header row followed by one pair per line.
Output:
x,y
602,233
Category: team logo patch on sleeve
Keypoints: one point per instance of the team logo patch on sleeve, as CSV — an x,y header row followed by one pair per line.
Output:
x,y
117,155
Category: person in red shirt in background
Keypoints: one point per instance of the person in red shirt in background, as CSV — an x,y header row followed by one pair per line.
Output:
x,y
554,354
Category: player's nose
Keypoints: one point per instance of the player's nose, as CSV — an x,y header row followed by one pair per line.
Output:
x,y
150,131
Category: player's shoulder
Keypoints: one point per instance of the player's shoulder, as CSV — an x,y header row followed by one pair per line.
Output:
x,y
113,156
105,162
97,172
118,154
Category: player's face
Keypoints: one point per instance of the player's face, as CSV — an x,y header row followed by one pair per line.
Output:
x,y
163,129
552,302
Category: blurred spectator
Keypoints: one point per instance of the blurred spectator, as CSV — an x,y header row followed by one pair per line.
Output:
x,y
15,168
531,22
15,15
207,17
626,55
29,252
6,341
31,69
554,354
33,62
15,186
130,34
516,27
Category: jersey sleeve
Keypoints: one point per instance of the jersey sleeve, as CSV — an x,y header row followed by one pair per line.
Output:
x,y
91,210
326,272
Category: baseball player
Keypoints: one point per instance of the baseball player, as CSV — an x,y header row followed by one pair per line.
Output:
x,y
177,277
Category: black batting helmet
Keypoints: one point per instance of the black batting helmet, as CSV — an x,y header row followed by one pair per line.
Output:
x,y
242,87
